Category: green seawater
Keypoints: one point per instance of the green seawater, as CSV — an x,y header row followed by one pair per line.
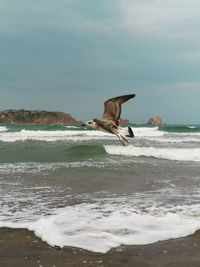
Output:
x,y
180,128
61,143
76,178
166,128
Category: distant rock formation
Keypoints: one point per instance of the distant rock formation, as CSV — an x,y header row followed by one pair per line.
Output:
x,y
156,120
21,116
125,122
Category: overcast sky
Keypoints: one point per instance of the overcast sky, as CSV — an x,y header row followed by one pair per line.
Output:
x,y
72,55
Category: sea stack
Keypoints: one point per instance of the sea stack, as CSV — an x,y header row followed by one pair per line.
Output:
x,y
156,120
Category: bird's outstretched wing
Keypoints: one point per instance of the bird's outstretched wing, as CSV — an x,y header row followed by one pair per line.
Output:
x,y
112,108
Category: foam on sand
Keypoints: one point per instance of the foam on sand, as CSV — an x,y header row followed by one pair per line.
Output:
x,y
179,154
107,223
99,228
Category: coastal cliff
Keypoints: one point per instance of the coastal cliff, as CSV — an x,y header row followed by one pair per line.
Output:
x,y
21,116
156,120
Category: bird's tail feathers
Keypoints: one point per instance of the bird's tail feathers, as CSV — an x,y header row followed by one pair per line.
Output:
x,y
130,132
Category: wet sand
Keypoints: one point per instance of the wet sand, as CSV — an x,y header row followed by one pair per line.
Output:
x,y
20,248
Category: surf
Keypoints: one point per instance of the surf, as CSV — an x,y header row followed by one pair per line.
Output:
x,y
99,228
178,154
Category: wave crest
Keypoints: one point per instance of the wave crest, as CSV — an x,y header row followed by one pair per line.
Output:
x,y
179,154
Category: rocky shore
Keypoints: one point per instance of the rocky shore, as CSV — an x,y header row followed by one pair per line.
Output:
x,y
21,116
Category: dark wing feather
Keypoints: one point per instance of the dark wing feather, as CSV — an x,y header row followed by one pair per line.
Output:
x,y
112,107
106,125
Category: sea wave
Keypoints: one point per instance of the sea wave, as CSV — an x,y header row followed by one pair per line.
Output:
x,y
72,127
178,154
49,136
175,139
77,134
3,129
73,134
147,131
180,128
46,167
99,227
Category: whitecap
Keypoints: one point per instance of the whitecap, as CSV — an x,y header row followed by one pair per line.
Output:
x,y
192,127
51,136
3,128
147,131
72,127
179,154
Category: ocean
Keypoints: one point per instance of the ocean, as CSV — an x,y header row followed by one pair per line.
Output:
x,y
77,187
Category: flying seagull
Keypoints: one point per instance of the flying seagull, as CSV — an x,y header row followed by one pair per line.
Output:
x,y
110,121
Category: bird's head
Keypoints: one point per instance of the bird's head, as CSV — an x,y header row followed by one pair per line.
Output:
x,y
91,123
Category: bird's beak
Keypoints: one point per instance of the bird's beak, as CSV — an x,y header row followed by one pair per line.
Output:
x,y
83,124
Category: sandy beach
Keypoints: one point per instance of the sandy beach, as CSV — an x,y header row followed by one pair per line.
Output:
x,y
20,247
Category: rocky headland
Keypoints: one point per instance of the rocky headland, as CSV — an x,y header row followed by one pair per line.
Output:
x,y
21,116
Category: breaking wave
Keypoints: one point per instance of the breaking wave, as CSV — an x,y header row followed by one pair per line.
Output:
x,y
50,136
3,128
179,154
72,133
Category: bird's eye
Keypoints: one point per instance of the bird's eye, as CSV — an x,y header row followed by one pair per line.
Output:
x,y
89,122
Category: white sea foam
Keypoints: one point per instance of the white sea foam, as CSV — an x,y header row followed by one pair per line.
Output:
x,y
3,129
175,139
72,127
99,227
72,135
192,127
144,131
179,154
45,167
53,135
147,131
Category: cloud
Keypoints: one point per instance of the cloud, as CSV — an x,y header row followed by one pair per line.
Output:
x,y
175,19
179,87
171,19
192,56
71,16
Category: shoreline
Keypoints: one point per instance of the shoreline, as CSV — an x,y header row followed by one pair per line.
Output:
x,y
20,247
